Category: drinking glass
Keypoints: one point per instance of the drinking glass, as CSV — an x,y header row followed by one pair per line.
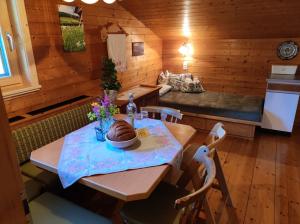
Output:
x,y
144,114
138,116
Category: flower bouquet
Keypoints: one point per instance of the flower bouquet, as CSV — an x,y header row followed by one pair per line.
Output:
x,y
103,111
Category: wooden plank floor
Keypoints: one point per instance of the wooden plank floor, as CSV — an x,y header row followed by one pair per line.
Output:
x,y
263,177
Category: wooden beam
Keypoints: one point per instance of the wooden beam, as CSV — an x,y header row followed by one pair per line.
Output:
x,y
11,209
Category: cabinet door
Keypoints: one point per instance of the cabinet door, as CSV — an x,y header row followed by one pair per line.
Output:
x,y
279,111
152,99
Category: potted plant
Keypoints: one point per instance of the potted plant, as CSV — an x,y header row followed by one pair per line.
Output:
x,y
110,82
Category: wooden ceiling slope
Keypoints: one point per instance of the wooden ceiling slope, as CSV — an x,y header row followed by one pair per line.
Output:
x,y
224,19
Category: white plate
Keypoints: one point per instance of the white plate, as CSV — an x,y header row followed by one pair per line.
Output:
x,y
123,144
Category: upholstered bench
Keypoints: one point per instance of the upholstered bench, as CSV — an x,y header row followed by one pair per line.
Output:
x,y
43,132
51,209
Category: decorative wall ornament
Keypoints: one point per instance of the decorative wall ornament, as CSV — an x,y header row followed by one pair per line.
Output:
x,y
287,50
72,29
137,48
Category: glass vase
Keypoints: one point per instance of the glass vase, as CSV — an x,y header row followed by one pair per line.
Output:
x,y
103,128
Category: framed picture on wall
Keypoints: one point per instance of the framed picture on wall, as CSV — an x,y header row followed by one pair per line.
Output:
x,y
137,48
71,24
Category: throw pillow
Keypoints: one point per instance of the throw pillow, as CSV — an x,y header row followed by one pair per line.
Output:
x,y
175,81
163,78
185,76
164,89
192,86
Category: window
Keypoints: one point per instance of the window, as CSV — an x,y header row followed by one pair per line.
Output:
x,y
18,74
4,66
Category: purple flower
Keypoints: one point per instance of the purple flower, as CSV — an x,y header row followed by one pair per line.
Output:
x,y
106,101
96,110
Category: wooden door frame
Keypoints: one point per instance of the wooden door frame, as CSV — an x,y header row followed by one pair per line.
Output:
x,y
11,187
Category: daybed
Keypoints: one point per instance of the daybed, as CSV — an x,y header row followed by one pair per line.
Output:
x,y
241,114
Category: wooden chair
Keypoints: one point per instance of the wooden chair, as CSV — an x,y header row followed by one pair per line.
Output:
x,y
164,112
213,140
159,208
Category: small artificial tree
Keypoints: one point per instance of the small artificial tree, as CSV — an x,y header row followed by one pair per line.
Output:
x,y
109,75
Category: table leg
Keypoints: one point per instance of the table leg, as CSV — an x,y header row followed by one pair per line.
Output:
x,y
116,214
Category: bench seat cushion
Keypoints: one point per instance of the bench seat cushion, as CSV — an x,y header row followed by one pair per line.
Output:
x,y
247,108
50,209
48,179
32,188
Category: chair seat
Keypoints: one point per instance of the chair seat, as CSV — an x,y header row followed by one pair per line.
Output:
x,y
50,209
48,179
33,188
158,208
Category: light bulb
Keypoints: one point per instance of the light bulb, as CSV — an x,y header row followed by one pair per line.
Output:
x,y
109,1
183,50
68,0
186,50
90,1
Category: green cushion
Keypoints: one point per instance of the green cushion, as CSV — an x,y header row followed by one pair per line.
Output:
x,y
219,104
48,130
51,209
48,179
158,208
33,188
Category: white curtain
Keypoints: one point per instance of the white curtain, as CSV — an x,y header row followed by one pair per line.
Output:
x,y
116,47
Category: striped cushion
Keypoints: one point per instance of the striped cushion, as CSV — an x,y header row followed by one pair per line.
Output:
x,y
48,130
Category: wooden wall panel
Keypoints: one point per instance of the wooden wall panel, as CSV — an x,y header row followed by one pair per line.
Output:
x,y
66,75
238,66
11,189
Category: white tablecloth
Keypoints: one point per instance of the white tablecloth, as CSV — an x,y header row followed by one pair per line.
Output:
x,y
82,155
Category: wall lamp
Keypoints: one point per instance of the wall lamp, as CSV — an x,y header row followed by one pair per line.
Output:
x,y
186,50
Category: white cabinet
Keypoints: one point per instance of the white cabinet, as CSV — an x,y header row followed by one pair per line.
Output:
x,y
280,111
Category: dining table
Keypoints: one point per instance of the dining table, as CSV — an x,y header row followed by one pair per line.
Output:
x,y
129,185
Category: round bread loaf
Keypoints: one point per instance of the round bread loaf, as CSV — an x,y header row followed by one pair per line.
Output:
x,y
121,131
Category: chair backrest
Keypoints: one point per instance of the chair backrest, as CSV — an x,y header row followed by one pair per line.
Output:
x,y
166,113
215,137
38,134
189,166
201,157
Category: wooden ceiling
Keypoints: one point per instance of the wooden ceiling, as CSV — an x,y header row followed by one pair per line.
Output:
x,y
219,18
